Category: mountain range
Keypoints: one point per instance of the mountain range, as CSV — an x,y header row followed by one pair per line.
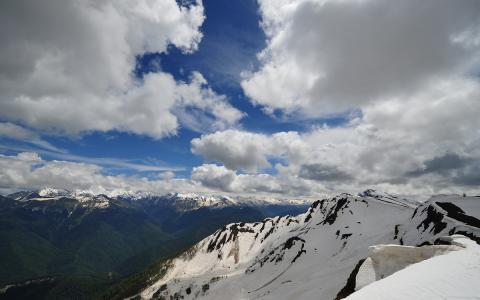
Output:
x,y
366,246
76,244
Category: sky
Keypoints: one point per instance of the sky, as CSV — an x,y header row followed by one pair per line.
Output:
x,y
281,98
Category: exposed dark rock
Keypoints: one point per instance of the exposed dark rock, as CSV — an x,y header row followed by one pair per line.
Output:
x,y
396,231
157,295
268,233
441,241
414,213
433,217
457,213
426,243
291,241
299,253
349,287
332,215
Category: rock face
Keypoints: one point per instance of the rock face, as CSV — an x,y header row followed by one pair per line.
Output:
x,y
317,255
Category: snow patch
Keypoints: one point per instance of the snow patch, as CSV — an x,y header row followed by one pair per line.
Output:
x,y
453,275
385,260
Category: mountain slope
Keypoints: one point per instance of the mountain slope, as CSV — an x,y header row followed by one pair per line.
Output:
x,y
100,238
310,256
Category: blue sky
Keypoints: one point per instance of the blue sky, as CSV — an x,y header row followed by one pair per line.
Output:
x,y
300,98
232,37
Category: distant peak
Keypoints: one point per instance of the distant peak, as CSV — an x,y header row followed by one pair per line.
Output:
x,y
369,193
52,192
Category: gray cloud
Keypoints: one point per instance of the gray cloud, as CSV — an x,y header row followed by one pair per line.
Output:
x,y
321,172
328,56
442,164
468,176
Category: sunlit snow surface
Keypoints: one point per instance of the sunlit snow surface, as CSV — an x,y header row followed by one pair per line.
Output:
x,y
312,255
453,275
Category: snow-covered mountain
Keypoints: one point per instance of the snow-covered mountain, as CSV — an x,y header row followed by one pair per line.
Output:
x,y
318,254
181,202
81,236
192,201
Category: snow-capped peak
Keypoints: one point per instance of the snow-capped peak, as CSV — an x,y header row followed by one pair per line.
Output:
x,y
52,192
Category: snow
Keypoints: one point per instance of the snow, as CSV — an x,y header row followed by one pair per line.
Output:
x,y
286,258
51,192
453,275
385,260
182,202
389,198
312,255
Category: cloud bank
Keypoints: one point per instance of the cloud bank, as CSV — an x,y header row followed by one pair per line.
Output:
x,y
325,57
407,67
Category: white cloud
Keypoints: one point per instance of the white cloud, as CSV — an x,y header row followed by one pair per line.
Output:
x,y
223,179
326,57
214,176
27,171
13,131
384,148
235,149
66,67
405,66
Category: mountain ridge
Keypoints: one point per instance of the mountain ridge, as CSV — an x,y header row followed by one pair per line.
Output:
x,y
184,201
257,260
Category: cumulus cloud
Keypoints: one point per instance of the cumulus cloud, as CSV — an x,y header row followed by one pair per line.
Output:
x,y
326,57
321,172
27,171
222,179
235,149
66,67
211,175
407,67
441,164
405,147
249,151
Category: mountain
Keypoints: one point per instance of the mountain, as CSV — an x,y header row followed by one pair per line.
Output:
x,y
336,247
92,240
